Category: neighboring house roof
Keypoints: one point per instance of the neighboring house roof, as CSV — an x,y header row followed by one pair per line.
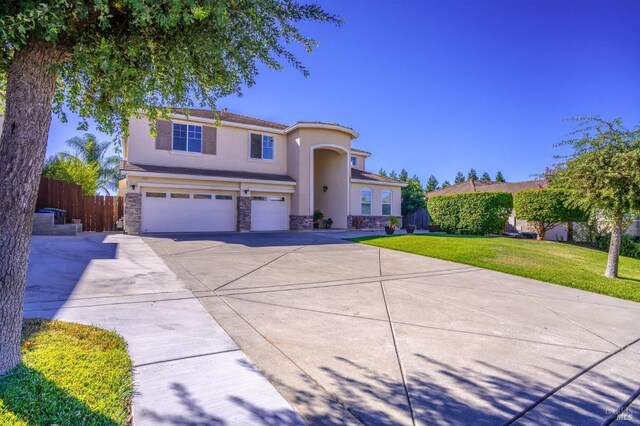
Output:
x,y
472,185
230,117
360,152
228,174
374,178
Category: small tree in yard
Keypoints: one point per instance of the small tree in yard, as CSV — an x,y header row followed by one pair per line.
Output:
x,y
110,60
499,177
546,208
485,177
603,174
413,196
459,178
472,175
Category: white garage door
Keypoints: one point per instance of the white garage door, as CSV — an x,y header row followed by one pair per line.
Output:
x,y
269,212
168,211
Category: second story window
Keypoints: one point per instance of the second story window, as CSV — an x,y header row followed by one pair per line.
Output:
x,y
354,161
187,138
262,147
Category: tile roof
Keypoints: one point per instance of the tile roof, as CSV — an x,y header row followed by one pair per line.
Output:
x,y
480,186
362,175
230,117
130,167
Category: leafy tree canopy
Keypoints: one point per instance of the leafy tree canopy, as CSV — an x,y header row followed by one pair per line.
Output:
x,y
485,177
432,184
120,58
459,178
393,174
603,172
445,184
404,175
472,175
383,172
499,177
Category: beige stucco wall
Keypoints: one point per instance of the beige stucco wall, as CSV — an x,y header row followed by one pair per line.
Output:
x,y
232,151
301,143
376,199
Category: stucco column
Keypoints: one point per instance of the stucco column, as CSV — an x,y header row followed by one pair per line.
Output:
x,y
244,214
132,207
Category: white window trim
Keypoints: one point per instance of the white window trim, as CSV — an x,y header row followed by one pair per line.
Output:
x,y
382,203
187,152
370,201
275,155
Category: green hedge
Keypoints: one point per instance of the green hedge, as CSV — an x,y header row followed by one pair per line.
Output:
x,y
628,245
474,213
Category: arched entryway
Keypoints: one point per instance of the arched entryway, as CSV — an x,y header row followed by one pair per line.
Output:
x,y
330,183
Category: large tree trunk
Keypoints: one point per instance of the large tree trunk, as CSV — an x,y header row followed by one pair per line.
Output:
x,y
614,250
570,232
30,90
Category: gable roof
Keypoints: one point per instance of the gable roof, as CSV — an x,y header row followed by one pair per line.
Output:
x,y
472,185
374,178
224,115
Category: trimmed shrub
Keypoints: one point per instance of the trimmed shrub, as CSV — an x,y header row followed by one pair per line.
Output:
x,y
628,247
546,208
474,213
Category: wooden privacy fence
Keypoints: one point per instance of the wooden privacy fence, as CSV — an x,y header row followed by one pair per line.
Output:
x,y
98,213
419,218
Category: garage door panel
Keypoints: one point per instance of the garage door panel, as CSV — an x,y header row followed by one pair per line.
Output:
x,y
270,212
192,212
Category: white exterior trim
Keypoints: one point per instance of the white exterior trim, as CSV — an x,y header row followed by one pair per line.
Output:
x,y
373,182
209,178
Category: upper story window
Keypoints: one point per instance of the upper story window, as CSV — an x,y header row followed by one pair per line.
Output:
x,y
354,161
262,147
365,202
187,137
386,203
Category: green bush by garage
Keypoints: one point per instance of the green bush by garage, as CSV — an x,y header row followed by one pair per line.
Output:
x,y
471,213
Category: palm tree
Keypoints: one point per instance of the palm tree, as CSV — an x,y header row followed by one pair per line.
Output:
x,y
88,150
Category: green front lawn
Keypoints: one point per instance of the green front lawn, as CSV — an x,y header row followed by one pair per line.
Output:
x,y
557,263
71,374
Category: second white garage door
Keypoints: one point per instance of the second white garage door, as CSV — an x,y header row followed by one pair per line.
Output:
x,y
269,212
168,211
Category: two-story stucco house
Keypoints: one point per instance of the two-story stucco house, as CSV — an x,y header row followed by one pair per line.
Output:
x,y
247,174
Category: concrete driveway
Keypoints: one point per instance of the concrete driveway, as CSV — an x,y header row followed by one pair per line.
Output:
x,y
350,333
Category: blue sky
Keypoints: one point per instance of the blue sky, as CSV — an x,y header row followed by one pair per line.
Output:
x,y
437,87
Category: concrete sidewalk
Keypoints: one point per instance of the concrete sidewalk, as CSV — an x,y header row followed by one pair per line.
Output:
x,y
187,369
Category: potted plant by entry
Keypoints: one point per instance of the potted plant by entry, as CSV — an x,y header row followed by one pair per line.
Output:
x,y
328,223
410,228
317,217
391,225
